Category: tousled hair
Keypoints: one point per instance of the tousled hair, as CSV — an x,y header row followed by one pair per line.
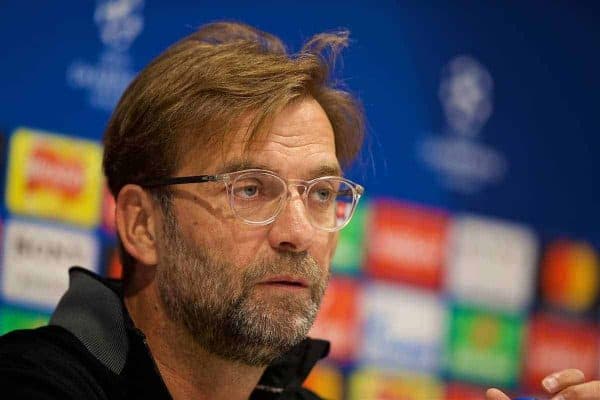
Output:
x,y
200,88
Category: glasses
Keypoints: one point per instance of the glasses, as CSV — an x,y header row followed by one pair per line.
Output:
x,y
257,196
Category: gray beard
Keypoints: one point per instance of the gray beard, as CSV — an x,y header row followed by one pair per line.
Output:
x,y
220,309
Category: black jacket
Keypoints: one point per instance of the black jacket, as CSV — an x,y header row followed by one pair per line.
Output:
x,y
91,350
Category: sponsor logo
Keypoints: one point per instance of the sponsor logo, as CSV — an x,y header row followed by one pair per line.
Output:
x,y
484,347
49,170
554,344
461,391
119,22
52,176
113,269
462,163
326,381
37,258
12,318
491,263
406,243
338,319
570,276
373,384
349,252
403,328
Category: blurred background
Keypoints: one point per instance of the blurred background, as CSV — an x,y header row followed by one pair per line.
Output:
x,y
473,259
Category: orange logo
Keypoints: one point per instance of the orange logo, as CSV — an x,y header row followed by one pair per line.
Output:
x,y
570,275
326,381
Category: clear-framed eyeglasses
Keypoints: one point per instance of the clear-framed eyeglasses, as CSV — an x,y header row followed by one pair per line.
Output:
x,y
257,196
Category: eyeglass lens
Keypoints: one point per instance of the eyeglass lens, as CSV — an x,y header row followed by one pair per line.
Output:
x,y
257,197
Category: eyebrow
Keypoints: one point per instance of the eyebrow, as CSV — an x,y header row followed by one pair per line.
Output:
x,y
326,170
238,165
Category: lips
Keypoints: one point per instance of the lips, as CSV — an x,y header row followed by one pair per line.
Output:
x,y
286,281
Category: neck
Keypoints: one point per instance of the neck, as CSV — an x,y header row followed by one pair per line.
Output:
x,y
188,370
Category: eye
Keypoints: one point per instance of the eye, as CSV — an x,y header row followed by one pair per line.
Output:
x,y
322,194
248,191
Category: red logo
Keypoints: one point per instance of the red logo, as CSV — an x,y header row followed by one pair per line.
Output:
x,y
555,344
459,391
407,243
114,269
49,170
338,319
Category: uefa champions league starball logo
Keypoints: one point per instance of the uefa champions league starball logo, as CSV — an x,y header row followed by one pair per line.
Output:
x,y
466,95
119,23
456,153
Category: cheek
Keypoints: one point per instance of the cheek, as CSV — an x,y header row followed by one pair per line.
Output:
x,y
208,228
234,242
324,250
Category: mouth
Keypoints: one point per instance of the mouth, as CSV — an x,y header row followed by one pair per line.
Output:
x,y
285,282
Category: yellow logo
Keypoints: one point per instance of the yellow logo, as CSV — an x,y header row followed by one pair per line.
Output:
x,y
54,176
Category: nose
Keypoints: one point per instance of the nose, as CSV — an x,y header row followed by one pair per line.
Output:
x,y
291,230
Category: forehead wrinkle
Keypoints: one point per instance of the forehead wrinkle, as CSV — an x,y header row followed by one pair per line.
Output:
x,y
323,168
301,138
292,130
294,150
256,155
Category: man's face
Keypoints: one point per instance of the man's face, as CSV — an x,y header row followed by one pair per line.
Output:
x,y
248,293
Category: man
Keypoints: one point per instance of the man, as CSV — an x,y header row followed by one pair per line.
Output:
x,y
225,157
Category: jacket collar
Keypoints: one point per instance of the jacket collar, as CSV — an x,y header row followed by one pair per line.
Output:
x,y
291,369
93,311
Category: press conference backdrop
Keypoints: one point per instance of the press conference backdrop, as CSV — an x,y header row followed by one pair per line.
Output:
x,y
473,260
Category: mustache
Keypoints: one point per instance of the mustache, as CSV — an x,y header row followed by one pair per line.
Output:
x,y
301,265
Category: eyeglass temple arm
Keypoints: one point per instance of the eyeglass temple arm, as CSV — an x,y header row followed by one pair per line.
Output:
x,y
179,180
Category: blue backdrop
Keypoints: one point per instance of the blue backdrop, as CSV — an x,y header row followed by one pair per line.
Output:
x,y
543,58
483,108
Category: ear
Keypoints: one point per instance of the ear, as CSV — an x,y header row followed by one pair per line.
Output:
x,y
136,220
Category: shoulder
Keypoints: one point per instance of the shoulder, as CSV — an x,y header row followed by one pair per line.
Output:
x,y
47,363
45,346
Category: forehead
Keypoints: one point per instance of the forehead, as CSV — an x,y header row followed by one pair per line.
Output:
x,y
299,141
